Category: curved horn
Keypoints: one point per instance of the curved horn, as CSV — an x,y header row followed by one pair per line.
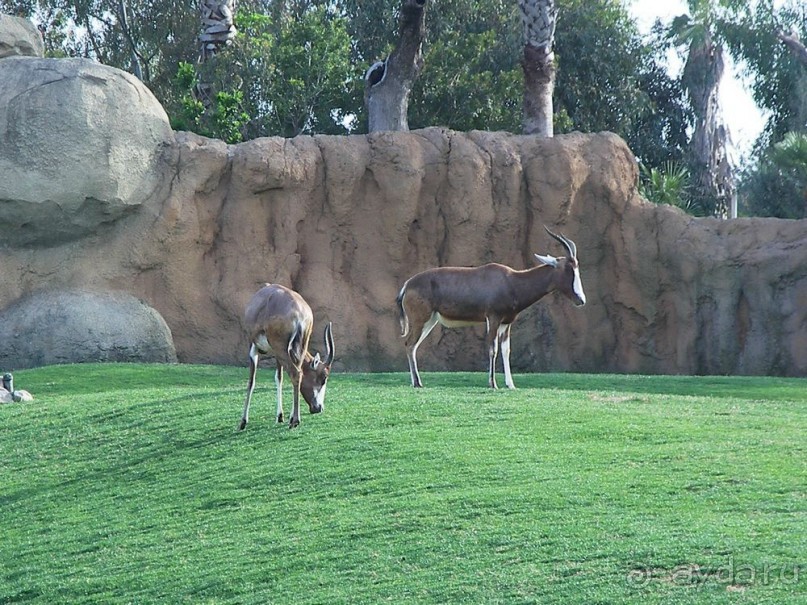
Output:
x,y
570,246
328,345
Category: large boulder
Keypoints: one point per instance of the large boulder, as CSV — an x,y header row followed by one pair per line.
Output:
x,y
74,326
19,37
80,147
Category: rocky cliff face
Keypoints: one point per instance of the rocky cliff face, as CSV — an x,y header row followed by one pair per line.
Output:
x,y
345,220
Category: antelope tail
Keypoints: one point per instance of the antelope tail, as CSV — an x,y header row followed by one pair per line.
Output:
x,y
402,318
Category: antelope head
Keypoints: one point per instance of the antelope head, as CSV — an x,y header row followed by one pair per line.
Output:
x,y
315,375
568,282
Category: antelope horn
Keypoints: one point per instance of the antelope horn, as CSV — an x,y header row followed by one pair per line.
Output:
x,y
328,345
570,246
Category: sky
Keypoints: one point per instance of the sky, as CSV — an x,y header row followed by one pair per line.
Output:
x,y
744,119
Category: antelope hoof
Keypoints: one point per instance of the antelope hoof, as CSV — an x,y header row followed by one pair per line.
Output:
x,y
243,424
295,422
280,418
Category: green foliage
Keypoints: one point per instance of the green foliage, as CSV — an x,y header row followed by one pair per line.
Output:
x,y
659,130
669,184
229,117
190,112
778,185
672,184
610,79
311,87
777,78
295,75
373,26
296,67
791,154
162,33
778,81
697,27
598,64
471,77
190,117
224,119
129,483
462,86
186,77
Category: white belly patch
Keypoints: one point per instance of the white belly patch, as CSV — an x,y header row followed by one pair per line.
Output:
x,y
456,323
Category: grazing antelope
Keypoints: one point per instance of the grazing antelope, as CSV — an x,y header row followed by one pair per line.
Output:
x,y
492,294
280,321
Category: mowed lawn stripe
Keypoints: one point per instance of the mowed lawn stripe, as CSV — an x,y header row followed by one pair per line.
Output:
x,y
127,483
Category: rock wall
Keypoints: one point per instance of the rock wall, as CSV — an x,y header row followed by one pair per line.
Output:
x,y
345,220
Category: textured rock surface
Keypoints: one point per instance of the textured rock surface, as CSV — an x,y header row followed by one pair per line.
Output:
x,y
345,220
19,37
73,327
80,147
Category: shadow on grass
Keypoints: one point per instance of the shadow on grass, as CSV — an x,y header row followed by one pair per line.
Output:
x,y
85,378
146,463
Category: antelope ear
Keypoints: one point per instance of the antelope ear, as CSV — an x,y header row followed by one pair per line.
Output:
x,y
315,362
547,260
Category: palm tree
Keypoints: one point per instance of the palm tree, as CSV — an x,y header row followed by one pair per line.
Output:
x,y
218,30
539,18
667,185
712,169
218,26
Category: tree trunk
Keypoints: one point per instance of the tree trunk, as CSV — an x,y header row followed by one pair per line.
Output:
x,y
218,31
712,168
539,18
137,70
387,83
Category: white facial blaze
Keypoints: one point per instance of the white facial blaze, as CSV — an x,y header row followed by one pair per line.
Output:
x,y
577,286
319,396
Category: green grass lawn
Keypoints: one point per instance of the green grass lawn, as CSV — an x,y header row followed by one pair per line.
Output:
x,y
130,484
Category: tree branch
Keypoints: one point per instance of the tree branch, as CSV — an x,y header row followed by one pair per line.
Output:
x,y
794,45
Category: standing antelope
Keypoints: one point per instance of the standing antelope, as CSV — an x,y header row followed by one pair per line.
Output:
x,y
492,294
280,321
